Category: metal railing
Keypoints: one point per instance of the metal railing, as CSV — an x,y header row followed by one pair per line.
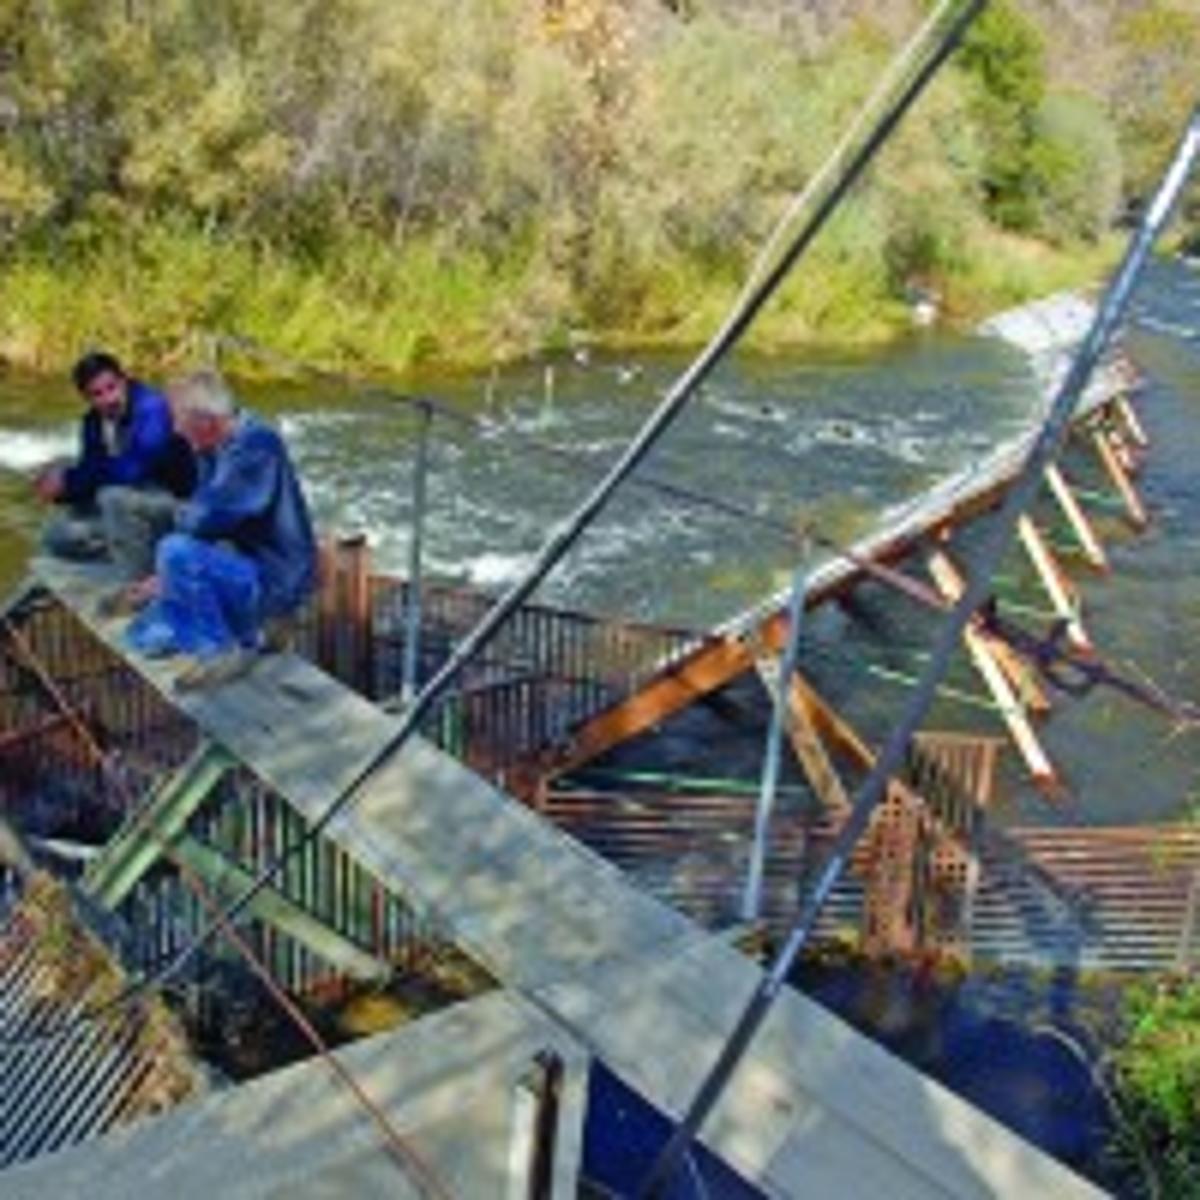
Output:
x,y
61,796
547,670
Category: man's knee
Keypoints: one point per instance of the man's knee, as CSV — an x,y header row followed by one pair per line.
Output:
x,y
113,501
176,552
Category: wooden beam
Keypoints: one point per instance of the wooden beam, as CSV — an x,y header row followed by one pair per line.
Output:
x,y
270,906
1128,455
1082,527
1020,674
806,742
1120,478
981,651
139,843
1123,407
1064,596
328,606
358,614
713,666
829,724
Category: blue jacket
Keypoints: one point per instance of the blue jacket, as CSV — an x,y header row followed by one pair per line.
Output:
x,y
148,451
249,495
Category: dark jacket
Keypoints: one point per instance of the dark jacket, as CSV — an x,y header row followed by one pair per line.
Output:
x,y
148,451
250,496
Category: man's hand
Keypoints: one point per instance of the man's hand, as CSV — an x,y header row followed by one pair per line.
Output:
x,y
50,484
144,591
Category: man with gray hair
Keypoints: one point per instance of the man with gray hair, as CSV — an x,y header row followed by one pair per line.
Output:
x,y
243,552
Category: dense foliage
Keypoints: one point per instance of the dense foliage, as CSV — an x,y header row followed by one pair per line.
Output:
x,y
377,182
1158,1084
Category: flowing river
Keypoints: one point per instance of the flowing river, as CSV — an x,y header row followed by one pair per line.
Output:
x,y
837,440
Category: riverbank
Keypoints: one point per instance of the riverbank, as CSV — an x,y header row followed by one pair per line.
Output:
x,y
453,195
158,294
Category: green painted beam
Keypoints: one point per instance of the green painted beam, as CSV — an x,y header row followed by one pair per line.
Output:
x,y
139,843
272,908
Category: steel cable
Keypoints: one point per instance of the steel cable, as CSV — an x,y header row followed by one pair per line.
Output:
x,y
1045,447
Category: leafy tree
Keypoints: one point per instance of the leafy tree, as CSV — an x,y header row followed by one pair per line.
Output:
x,y
1003,53
1075,169
1158,1082
1156,84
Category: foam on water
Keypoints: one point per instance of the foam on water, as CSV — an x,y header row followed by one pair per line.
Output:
x,y
26,450
1174,328
492,569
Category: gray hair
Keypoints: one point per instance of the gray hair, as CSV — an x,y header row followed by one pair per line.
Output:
x,y
203,392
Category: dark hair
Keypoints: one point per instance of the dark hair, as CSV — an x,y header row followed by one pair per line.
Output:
x,y
93,364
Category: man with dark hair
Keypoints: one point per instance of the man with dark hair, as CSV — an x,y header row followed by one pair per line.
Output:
x,y
122,492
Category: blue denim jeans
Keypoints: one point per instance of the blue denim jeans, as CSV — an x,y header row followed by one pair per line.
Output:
x,y
209,601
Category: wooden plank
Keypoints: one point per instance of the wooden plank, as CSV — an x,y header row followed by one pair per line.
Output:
x,y
806,742
358,614
947,580
1020,674
445,1081
1128,455
829,724
140,842
709,668
1120,479
1064,596
1076,518
1128,416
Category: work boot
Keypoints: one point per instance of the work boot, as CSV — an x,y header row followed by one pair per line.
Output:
x,y
278,635
201,673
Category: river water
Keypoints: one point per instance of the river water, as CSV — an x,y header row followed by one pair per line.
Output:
x,y
835,439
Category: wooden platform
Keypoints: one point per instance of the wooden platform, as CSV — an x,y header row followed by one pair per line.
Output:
x,y
816,1109
452,1085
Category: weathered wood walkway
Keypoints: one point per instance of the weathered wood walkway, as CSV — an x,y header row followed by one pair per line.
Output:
x,y
815,1110
452,1084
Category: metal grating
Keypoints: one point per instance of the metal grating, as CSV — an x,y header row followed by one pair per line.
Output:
x,y
71,1068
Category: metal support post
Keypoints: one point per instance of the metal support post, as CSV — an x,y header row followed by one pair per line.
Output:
x,y
412,613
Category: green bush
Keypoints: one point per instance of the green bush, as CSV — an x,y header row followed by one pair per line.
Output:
x,y
377,182
1158,1085
1004,55
1074,170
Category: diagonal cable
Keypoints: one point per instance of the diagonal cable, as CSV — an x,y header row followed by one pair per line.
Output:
x,y
571,529
1042,453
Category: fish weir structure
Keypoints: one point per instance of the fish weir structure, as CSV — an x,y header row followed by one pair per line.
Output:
x,y
64,1087
557,690
125,789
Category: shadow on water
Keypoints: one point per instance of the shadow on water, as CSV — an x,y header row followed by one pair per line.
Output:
x,y
1017,1043
623,1135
